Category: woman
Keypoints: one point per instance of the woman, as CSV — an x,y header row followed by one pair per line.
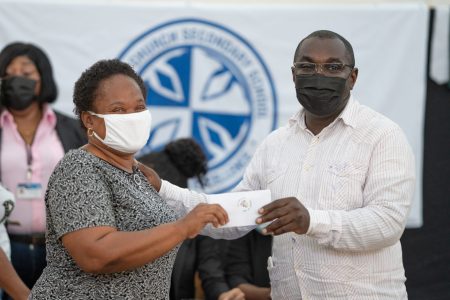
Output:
x,y
110,234
33,138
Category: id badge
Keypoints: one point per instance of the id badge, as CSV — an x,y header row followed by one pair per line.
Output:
x,y
30,190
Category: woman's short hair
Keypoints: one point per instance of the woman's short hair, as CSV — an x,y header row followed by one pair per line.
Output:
x,y
86,87
49,91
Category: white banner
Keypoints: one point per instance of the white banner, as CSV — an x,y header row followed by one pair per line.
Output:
x,y
221,73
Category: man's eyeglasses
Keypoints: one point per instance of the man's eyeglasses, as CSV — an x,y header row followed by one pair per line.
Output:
x,y
307,68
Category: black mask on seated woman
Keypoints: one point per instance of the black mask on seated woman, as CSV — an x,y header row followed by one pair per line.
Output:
x,y
17,92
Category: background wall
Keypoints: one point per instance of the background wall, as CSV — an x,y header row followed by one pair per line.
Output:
x,y
189,56
426,250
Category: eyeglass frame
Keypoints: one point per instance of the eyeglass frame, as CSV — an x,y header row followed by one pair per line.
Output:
x,y
316,66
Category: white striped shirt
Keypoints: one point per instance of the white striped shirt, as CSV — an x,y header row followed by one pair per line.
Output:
x,y
356,178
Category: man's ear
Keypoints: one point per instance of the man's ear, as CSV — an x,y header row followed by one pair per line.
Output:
x,y
87,119
293,74
353,77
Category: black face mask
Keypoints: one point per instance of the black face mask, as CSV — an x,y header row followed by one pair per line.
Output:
x,y
17,92
320,95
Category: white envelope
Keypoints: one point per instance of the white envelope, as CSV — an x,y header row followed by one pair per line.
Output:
x,y
242,207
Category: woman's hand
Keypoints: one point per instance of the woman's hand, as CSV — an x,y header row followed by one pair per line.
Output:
x,y
200,216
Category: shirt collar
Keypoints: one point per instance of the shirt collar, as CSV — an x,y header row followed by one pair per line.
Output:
x,y
6,118
48,116
348,115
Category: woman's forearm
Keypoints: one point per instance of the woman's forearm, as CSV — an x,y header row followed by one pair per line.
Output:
x,y
106,250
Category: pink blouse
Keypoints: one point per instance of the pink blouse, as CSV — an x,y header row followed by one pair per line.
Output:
x,y
45,152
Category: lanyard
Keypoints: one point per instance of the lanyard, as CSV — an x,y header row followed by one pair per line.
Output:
x,y
29,162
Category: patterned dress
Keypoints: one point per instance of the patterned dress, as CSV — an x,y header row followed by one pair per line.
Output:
x,y
85,191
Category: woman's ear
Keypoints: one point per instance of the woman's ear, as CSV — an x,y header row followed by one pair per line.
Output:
x,y
87,119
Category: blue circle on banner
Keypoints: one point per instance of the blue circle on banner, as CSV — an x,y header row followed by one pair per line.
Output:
x,y
207,82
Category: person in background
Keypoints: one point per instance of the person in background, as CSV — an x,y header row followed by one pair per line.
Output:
x,y
33,138
177,162
9,280
246,264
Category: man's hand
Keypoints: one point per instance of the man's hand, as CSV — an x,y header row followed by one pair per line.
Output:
x,y
289,215
234,294
151,175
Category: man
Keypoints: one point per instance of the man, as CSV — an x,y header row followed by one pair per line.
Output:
x,y
343,175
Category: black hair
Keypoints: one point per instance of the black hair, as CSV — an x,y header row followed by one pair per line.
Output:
x,y
327,34
188,157
87,86
178,161
49,91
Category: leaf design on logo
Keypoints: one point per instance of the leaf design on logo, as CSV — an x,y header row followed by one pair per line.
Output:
x,y
164,79
218,84
163,133
217,139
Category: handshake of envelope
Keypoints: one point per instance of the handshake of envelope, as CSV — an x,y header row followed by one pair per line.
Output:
x,y
242,207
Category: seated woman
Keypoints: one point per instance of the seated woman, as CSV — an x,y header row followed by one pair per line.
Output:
x,y
246,264
111,235
180,160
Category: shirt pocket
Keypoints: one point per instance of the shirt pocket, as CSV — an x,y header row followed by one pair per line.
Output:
x,y
276,175
343,185
275,273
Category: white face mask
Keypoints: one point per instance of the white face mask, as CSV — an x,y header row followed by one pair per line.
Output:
x,y
126,133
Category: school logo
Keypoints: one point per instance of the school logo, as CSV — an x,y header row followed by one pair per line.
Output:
x,y
207,82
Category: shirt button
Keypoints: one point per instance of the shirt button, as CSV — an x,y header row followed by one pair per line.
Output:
x,y
293,240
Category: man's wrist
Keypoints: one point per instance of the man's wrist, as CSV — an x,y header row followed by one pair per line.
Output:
x,y
319,222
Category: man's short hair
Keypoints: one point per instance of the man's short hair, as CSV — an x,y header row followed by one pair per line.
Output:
x,y
327,34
